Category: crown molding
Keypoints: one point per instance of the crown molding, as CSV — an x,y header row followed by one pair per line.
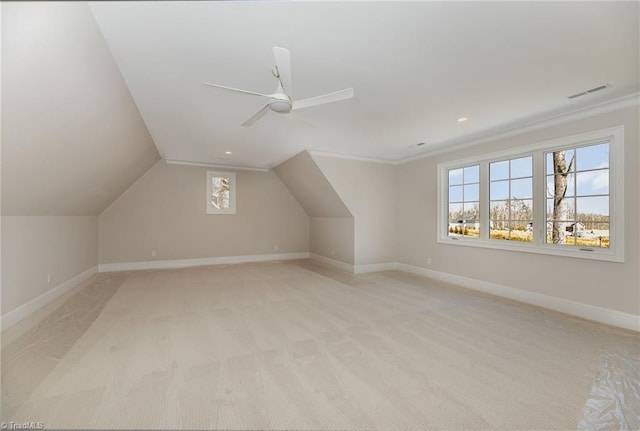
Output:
x,y
217,166
350,157
554,120
444,147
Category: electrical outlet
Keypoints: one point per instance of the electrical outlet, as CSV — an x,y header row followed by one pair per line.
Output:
x,y
48,278
428,261
153,253
332,252
275,248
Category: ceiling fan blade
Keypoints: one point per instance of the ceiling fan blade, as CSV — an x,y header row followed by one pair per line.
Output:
x,y
235,89
336,96
258,115
283,64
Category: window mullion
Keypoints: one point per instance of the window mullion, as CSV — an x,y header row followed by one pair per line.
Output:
x,y
539,199
484,201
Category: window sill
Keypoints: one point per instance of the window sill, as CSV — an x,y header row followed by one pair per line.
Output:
x,y
221,212
565,251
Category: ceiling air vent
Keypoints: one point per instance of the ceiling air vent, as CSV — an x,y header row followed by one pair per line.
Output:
x,y
593,90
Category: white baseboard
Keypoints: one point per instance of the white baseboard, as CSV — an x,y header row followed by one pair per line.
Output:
x,y
185,263
332,262
25,310
586,311
375,267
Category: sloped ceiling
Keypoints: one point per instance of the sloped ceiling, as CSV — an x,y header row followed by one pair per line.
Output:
x,y
72,137
416,67
310,187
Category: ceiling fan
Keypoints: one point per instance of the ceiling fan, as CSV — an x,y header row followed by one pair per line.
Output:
x,y
281,101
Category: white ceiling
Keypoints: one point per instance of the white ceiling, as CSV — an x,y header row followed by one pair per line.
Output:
x,y
415,67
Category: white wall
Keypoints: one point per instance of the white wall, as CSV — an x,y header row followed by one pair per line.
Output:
x,y
331,225
332,237
308,184
610,285
34,247
165,211
368,189
72,137
72,142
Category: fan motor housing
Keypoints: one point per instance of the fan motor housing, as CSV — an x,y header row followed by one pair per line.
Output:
x,y
280,106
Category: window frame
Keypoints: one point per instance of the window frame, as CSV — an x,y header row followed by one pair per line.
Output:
x,y
463,184
509,179
210,209
615,253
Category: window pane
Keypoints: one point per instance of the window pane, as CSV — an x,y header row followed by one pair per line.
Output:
x,y
499,190
499,170
522,225
472,192
561,185
559,232
510,210
499,224
570,182
499,230
567,155
593,182
522,189
592,234
583,220
472,174
592,157
455,176
565,211
521,210
220,192
521,167
521,230
472,211
455,194
455,212
471,230
592,206
464,206
499,209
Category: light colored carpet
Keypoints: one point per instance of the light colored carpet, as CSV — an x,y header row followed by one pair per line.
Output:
x,y
28,359
297,346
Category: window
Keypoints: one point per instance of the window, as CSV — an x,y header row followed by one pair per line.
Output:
x,y
464,202
511,199
221,192
561,197
578,196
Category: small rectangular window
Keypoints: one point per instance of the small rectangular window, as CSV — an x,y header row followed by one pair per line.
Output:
x,y
578,196
464,202
221,192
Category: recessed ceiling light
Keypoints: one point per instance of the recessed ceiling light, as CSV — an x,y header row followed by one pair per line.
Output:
x,y
462,119
228,152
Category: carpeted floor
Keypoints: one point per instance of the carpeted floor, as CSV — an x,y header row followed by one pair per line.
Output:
x,y
294,345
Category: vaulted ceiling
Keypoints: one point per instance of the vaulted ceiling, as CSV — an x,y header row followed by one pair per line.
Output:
x,y
416,68
87,90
